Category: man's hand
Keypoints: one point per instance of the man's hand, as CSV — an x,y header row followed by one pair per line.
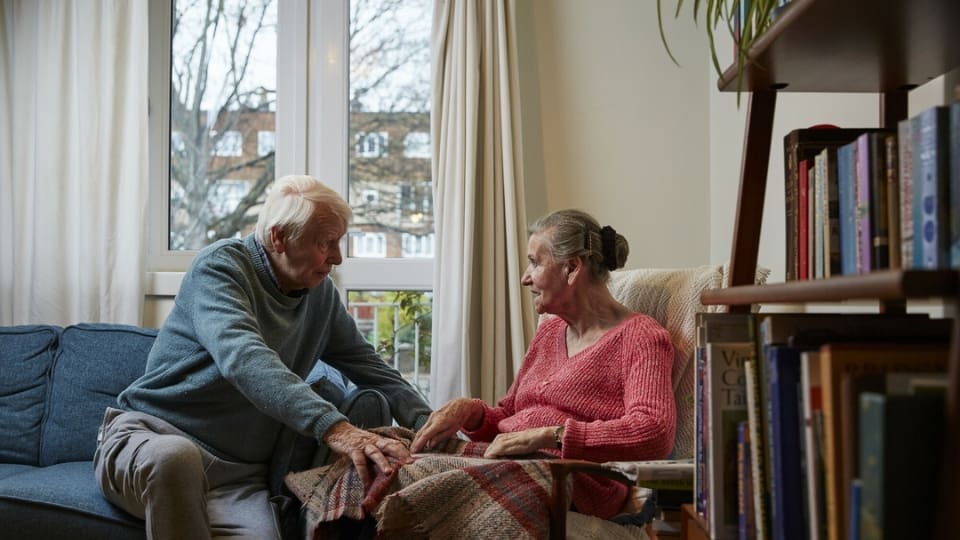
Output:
x,y
523,442
360,446
446,421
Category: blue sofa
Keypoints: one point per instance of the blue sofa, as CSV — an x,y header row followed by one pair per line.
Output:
x,y
56,382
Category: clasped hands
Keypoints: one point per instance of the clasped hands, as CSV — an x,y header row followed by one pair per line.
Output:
x,y
385,453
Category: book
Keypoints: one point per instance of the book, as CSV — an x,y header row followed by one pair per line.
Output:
x,y
847,208
803,223
819,216
853,518
729,343
747,527
901,439
754,419
782,382
879,245
863,223
905,176
799,145
930,184
839,358
831,219
662,474
954,183
811,402
891,152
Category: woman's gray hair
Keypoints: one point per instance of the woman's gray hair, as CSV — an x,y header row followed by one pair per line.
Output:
x,y
575,233
293,201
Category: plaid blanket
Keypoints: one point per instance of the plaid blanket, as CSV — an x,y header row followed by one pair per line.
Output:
x,y
452,492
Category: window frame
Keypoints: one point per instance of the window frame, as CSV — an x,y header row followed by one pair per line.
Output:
x,y
316,143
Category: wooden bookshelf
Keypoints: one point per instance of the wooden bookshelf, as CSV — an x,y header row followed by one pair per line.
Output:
x,y
883,46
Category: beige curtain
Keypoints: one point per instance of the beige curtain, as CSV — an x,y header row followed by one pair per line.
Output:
x,y
73,160
482,316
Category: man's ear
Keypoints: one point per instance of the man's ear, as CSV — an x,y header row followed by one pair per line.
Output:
x,y
278,239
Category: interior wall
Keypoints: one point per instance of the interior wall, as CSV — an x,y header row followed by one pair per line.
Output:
x,y
612,126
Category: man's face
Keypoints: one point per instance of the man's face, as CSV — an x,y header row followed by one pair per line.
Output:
x,y
305,262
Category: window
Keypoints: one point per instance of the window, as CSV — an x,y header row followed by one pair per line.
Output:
x,y
369,244
294,116
371,145
416,145
415,245
230,144
266,142
206,106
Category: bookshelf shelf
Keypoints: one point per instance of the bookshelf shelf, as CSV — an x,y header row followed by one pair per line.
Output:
x,y
846,46
885,285
884,46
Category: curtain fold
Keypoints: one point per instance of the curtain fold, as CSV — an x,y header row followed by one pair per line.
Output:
x,y
73,161
482,317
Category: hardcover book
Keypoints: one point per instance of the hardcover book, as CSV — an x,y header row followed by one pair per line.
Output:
x,y
798,145
837,359
930,184
901,440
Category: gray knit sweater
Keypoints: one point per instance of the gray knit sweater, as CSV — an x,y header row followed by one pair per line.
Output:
x,y
229,363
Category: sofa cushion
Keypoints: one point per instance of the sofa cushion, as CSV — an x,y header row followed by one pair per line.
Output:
x,y
61,501
94,364
26,354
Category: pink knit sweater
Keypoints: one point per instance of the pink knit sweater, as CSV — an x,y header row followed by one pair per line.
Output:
x,y
614,399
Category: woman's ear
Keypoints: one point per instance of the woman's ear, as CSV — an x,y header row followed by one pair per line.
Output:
x,y
573,269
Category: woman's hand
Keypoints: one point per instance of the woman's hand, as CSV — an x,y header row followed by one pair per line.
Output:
x,y
446,421
522,442
360,446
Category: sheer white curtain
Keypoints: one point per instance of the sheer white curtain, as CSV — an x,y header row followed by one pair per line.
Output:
x,y
482,317
73,160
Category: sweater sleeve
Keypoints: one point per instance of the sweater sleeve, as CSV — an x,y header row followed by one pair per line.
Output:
x,y
349,352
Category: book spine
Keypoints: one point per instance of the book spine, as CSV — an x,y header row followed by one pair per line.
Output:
x,y
747,529
819,216
917,189
727,406
862,171
810,398
879,232
754,418
933,187
831,235
803,231
891,166
905,155
783,366
847,209
954,189
791,202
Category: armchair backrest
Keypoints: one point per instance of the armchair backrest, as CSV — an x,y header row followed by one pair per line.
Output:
x,y
672,297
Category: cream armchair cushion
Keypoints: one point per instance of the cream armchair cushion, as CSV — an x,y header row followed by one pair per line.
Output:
x,y
672,297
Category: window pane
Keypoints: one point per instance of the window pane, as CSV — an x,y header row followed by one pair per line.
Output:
x,y
390,124
398,325
222,107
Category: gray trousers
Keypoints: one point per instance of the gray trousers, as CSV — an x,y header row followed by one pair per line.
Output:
x,y
155,472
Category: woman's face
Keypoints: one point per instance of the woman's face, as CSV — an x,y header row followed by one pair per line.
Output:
x,y
545,276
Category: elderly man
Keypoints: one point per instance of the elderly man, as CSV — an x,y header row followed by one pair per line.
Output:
x,y
187,449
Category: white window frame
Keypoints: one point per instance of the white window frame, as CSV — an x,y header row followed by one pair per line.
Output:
x,y
329,122
368,244
315,143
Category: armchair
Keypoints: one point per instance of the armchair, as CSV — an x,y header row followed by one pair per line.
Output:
x,y
672,297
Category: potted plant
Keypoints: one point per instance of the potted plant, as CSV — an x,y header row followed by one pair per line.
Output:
x,y
745,20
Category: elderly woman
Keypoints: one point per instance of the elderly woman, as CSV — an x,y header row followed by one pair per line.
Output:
x,y
595,383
